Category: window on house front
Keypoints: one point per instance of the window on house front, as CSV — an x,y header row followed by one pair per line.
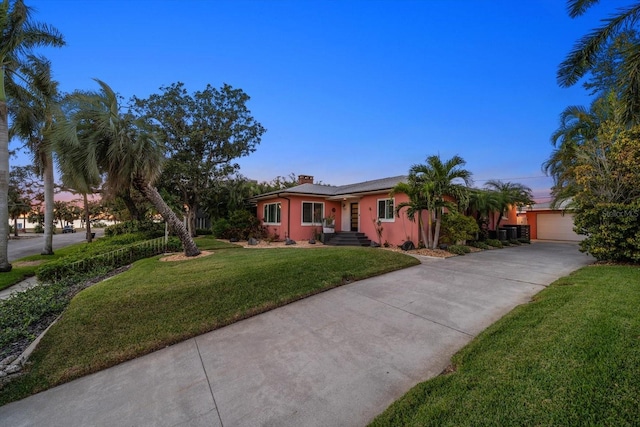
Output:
x,y
312,213
272,213
385,209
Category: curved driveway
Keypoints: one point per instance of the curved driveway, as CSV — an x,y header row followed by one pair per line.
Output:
x,y
335,359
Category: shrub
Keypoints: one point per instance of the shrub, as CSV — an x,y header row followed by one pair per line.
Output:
x,y
612,230
479,245
150,229
525,241
494,243
221,229
515,242
456,227
38,228
243,225
204,231
459,249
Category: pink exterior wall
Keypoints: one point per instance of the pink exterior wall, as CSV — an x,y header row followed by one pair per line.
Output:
x,y
395,231
294,229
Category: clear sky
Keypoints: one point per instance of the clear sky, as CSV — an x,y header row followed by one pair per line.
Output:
x,y
348,90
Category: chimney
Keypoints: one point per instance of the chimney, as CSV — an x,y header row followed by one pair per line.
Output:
x,y
305,179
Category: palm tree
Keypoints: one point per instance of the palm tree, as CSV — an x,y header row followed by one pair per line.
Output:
x,y
19,36
122,149
584,55
75,176
482,203
509,194
415,206
440,185
579,127
32,109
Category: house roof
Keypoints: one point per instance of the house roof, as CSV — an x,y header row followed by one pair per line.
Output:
x,y
329,191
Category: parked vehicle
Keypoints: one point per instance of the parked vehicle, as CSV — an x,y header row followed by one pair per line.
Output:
x,y
68,229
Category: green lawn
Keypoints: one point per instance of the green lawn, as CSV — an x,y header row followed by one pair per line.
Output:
x,y
156,303
570,358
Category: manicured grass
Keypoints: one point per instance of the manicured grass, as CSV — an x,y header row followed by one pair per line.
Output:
x,y
157,303
571,357
209,243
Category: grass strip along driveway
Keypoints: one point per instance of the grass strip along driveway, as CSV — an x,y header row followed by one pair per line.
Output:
x,y
155,304
571,357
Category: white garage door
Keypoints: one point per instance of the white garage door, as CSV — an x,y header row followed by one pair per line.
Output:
x,y
557,227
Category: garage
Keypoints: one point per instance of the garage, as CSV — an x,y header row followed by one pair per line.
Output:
x,y
556,226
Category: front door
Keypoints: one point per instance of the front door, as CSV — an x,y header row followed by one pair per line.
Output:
x,y
354,216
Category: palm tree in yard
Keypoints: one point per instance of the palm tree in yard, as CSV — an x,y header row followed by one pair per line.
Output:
x,y
415,206
509,194
442,182
32,108
75,176
120,147
19,36
481,204
584,55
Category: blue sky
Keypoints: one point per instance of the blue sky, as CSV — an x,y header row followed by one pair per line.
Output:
x,y
348,90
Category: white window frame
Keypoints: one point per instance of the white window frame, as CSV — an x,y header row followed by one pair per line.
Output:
x,y
313,205
386,209
278,213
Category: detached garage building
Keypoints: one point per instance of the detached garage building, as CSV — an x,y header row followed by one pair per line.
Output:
x,y
551,224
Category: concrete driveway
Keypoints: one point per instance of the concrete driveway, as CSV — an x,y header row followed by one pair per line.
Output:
x,y
335,359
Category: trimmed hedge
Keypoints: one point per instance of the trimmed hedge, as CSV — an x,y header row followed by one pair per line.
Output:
x,y
71,266
459,249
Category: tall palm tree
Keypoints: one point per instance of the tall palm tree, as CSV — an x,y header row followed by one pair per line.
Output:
x,y
122,148
20,35
441,187
32,108
585,52
510,194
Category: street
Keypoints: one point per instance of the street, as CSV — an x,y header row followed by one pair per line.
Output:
x,y
32,244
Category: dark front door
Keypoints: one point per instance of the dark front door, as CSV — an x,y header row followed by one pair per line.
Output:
x,y
354,217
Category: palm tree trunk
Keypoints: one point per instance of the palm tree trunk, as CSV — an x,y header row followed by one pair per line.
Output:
x,y
48,205
4,183
422,231
87,221
436,236
151,193
15,227
429,229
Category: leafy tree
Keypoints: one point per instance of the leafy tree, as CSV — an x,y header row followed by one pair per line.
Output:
x,y
19,199
203,132
20,35
585,55
124,149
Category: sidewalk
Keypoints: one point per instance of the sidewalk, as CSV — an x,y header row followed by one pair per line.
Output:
x,y
27,283
335,359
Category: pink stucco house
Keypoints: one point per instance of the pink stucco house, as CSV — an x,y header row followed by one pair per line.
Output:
x,y
298,212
